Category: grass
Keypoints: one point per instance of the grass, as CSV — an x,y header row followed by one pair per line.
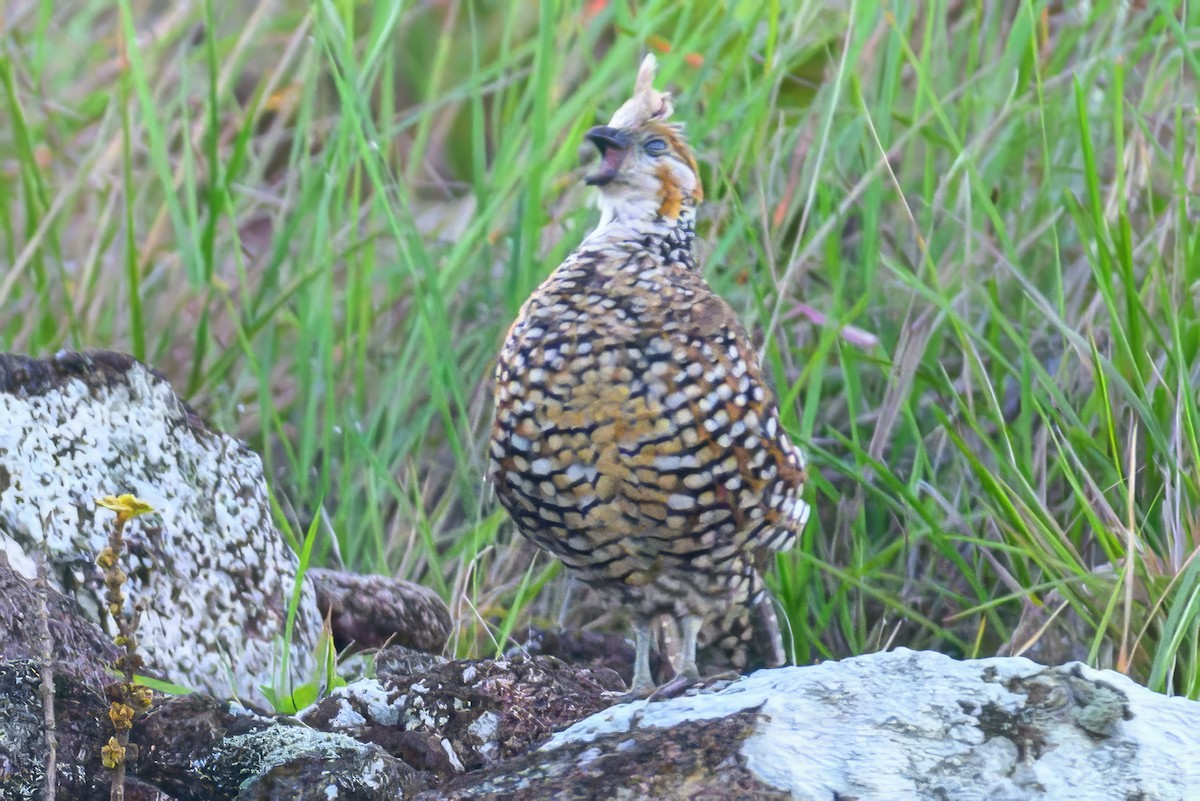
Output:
x,y
966,233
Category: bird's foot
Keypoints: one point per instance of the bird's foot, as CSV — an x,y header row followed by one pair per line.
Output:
x,y
681,684
675,687
634,693
684,684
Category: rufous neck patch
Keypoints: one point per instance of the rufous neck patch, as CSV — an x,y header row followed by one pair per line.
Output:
x,y
669,193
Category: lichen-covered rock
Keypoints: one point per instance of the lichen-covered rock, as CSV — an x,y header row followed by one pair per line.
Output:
x,y
895,725
191,748
372,611
210,568
74,640
81,728
448,717
300,764
698,759
22,727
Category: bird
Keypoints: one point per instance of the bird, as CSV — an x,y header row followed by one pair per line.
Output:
x,y
635,436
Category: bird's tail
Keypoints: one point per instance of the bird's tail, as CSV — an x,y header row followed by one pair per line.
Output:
x,y
746,636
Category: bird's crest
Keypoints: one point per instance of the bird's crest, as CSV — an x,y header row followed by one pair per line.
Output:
x,y
647,102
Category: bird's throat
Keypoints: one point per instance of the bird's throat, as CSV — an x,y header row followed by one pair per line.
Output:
x,y
623,228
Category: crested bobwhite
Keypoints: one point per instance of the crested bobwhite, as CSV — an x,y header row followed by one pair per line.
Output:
x,y
636,438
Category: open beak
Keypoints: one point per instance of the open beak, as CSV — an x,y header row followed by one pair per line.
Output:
x,y
613,146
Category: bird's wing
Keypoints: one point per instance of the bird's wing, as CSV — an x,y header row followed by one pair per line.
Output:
x,y
720,392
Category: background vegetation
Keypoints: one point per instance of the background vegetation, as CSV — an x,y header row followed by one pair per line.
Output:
x,y
965,231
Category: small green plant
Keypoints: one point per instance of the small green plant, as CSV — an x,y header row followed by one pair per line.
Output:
x,y
324,679
127,698
284,697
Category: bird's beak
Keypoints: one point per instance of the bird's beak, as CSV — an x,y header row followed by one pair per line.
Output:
x,y
613,146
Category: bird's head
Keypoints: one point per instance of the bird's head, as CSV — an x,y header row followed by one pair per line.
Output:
x,y
646,167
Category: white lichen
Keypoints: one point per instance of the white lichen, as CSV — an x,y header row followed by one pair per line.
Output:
x,y
452,755
484,727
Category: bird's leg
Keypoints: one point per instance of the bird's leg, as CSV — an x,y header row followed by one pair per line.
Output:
x,y
642,683
688,676
691,630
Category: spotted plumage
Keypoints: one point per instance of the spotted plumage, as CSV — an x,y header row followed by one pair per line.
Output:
x,y
635,437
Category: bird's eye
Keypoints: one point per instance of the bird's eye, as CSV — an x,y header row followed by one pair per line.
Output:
x,y
656,146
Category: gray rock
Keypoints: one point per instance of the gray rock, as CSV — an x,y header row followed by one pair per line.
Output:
x,y
920,725
210,567
191,748
373,611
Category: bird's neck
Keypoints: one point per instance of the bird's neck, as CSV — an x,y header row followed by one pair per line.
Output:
x,y
628,226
